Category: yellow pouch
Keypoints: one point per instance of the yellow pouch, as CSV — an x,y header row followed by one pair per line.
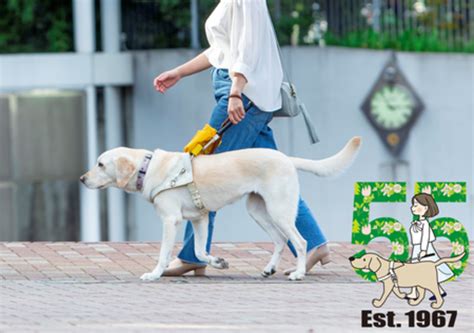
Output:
x,y
200,139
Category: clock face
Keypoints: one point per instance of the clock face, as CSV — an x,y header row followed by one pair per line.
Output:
x,y
391,107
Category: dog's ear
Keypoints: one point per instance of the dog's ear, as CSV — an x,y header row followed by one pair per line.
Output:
x,y
374,264
124,169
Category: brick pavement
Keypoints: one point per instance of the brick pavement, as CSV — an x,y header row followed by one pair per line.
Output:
x,y
95,287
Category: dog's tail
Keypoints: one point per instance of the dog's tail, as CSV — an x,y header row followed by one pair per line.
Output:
x,y
449,259
331,166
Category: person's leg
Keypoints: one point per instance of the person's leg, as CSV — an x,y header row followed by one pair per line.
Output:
x,y
305,221
415,250
308,227
187,254
240,136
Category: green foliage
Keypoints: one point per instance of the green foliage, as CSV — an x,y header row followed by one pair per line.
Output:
x,y
453,230
172,21
429,31
408,40
365,231
443,191
46,25
35,26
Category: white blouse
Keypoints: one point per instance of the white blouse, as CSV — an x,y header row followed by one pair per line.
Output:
x,y
422,234
241,39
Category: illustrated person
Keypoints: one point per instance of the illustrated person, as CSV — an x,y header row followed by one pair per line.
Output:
x,y
422,237
247,67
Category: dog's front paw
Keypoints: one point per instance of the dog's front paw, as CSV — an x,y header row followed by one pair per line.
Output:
x,y
219,263
149,277
403,296
377,303
268,272
296,276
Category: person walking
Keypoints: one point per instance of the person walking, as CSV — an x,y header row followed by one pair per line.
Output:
x,y
247,68
422,239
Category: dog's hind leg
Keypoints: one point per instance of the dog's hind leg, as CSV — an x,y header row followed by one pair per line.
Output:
x,y
200,238
284,217
281,202
258,211
299,243
437,294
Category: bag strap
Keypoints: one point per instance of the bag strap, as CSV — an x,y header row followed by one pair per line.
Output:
x,y
307,118
309,124
285,73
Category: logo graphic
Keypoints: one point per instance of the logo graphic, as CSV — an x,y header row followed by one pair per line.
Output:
x,y
425,270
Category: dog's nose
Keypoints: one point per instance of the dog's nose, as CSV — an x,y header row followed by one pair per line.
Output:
x,y
351,259
82,179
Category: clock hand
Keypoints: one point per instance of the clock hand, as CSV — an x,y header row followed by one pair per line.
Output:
x,y
387,102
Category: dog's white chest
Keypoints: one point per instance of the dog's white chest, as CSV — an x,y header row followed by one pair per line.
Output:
x,y
180,174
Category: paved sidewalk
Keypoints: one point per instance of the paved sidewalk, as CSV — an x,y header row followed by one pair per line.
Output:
x,y
95,287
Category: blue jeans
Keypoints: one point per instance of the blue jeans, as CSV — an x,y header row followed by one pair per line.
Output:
x,y
252,132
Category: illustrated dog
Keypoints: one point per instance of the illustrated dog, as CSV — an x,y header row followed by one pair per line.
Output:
x,y
268,177
422,276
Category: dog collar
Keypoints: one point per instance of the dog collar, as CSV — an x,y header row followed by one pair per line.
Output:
x,y
142,171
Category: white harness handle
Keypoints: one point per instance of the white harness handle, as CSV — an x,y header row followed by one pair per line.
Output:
x,y
184,177
391,274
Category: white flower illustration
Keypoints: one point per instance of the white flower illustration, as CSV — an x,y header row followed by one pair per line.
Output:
x,y
457,248
387,190
397,248
457,226
397,226
397,188
447,190
457,188
386,228
366,229
446,228
366,191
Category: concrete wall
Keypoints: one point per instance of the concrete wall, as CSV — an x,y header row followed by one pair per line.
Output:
x,y
42,155
333,83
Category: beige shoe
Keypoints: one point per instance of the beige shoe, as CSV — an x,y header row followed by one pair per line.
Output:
x,y
178,268
320,254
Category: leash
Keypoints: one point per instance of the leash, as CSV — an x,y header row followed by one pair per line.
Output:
x,y
214,143
215,140
420,259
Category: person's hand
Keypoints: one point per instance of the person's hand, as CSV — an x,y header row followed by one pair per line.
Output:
x,y
166,80
421,254
235,109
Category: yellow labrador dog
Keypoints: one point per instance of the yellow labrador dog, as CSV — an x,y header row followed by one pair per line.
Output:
x,y
422,275
268,177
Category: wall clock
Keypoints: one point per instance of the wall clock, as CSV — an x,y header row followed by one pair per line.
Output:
x,y
392,107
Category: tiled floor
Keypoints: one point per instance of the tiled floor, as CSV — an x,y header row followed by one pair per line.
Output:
x,y
64,287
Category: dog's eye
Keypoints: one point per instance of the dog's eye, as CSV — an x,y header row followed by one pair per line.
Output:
x,y
101,165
